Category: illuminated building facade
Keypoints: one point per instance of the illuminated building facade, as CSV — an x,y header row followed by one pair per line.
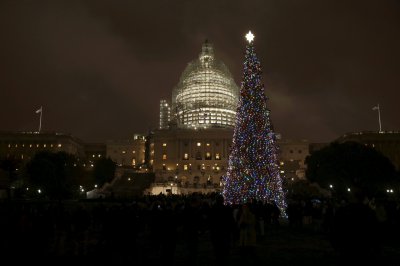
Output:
x,y
24,145
187,161
292,156
165,114
189,151
129,152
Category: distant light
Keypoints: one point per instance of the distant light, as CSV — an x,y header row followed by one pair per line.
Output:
x,y
95,185
348,189
172,184
129,179
250,36
27,188
331,186
39,191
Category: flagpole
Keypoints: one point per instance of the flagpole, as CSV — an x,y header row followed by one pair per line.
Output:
x,y
379,117
40,120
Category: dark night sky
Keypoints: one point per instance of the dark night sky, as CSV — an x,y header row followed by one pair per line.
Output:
x,y
99,68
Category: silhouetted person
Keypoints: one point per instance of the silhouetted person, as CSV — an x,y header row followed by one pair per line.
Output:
x,y
355,232
191,228
221,228
247,224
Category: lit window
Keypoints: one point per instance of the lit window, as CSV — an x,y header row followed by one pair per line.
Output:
x,y
217,156
123,152
37,146
30,145
164,167
198,144
133,151
164,157
208,144
59,145
133,162
185,167
99,155
93,155
164,144
9,145
44,145
51,145
208,156
186,156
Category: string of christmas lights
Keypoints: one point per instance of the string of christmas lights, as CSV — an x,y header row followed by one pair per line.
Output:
x,y
253,171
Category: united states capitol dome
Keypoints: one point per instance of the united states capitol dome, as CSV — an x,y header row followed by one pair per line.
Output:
x,y
206,95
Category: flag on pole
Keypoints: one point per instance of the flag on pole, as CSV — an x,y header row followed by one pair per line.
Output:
x,y
375,108
39,110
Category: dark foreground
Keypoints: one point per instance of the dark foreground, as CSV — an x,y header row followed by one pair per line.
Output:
x,y
189,232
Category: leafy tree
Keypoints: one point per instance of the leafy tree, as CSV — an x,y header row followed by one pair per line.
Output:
x,y
351,165
104,171
55,174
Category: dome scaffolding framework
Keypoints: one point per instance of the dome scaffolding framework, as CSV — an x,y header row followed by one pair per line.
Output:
x,y
206,95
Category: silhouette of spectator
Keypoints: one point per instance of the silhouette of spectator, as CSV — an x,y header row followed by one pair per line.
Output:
x,y
221,229
275,214
191,228
355,232
247,224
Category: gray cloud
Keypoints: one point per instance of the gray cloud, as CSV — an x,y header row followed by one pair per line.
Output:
x,y
99,68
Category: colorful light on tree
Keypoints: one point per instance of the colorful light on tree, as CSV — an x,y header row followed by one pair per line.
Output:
x,y
253,170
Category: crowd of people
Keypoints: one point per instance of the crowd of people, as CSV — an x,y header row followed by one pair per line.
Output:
x,y
157,228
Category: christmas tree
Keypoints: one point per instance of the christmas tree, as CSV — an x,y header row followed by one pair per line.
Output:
x,y
253,170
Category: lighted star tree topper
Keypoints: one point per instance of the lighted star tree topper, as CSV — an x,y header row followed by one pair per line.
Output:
x,y
253,169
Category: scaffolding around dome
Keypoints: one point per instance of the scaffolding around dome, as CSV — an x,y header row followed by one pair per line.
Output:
x,y
206,95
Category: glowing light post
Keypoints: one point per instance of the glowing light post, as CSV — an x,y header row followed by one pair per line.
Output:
x,y
40,120
379,116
